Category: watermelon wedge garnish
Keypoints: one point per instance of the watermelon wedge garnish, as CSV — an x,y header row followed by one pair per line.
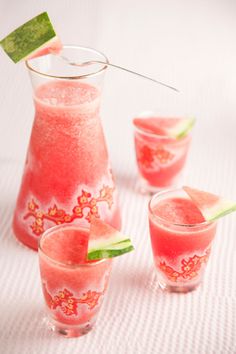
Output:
x,y
34,38
175,128
210,205
106,242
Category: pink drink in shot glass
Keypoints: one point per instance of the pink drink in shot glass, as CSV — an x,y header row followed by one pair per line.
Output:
x,y
160,158
73,287
181,240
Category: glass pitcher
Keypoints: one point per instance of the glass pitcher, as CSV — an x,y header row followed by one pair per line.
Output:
x,y
67,176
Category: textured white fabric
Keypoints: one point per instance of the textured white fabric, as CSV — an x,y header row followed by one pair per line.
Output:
x,y
185,43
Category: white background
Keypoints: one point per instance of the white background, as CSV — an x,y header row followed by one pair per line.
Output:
x,y
189,44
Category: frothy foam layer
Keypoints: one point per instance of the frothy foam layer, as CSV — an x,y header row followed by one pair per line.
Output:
x,y
66,93
68,246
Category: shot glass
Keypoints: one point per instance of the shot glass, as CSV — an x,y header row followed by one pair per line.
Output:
x,y
160,159
181,250
73,288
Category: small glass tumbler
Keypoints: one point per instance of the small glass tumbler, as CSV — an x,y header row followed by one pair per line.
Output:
x,y
73,288
180,251
160,159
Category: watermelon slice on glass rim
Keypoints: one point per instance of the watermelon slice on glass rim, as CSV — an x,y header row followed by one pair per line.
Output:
x,y
106,242
210,205
175,128
35,38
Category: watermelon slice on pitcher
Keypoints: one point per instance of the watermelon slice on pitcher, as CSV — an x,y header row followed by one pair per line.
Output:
x,y
34,38
106,242
210,205
175,128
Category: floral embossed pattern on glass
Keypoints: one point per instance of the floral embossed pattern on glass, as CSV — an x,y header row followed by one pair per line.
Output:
x,y
181,240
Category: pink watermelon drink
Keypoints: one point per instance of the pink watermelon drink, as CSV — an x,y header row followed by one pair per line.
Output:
x,y
67,176
161,147
73,287
181,240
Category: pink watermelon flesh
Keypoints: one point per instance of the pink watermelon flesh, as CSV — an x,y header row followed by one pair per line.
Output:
x,y
99,229
106,242
203,200
156,125
179,211
211,206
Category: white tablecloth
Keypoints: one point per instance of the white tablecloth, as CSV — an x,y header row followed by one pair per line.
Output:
x,y
185,43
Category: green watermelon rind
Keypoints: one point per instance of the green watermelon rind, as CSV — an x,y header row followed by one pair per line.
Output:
x,y
110,251
47,44
28,38
182,129
222,208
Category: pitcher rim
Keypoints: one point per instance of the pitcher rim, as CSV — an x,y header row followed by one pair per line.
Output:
x,y
71,77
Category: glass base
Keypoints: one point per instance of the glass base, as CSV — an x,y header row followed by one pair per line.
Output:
x,y
67,330
176,287
147,189
186,288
